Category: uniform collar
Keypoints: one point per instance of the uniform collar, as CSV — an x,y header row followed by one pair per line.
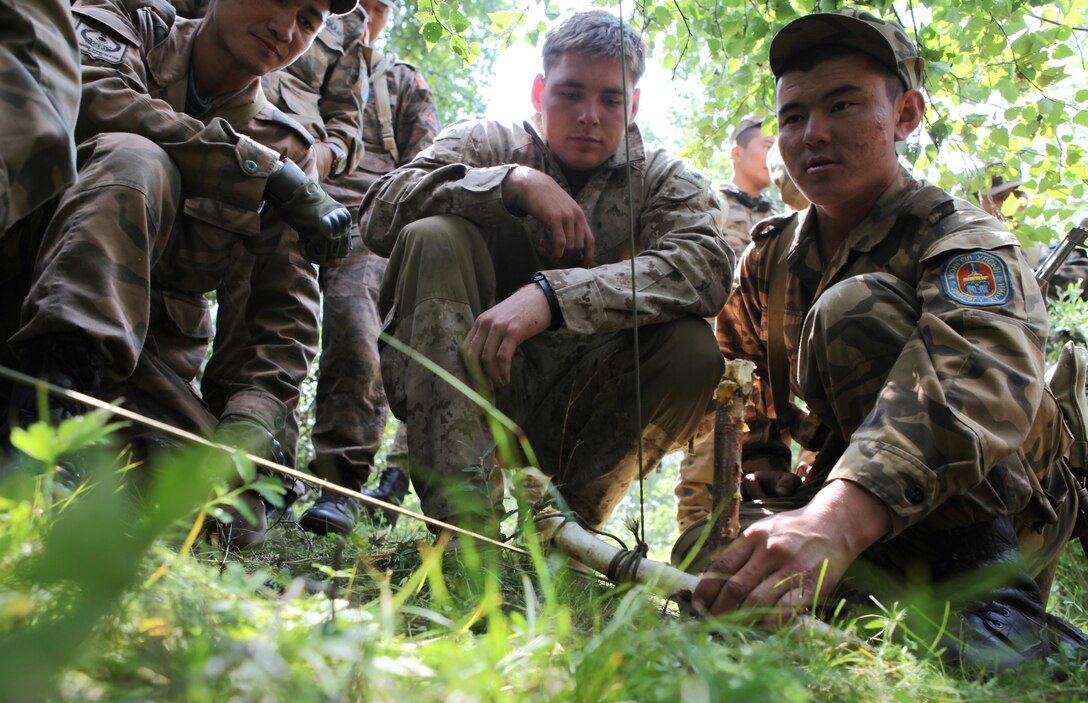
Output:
x,y
755,204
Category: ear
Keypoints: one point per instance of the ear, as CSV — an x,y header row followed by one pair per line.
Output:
x,y
634,105
538,93
912,106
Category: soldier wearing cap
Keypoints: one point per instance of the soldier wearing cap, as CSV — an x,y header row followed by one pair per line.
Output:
x,y
399,122
914,332
992,199
183,165
510,265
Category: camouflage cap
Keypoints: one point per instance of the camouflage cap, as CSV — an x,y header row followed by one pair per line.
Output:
x,y
342,7
749,122
884,40
999,185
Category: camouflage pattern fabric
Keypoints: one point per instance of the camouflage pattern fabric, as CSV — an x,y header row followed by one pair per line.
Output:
x,y
40,95
351,406
921,342
191,9
324,88
742,212
571,389
138,297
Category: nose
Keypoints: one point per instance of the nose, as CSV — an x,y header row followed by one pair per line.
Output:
x,y
589,114
817,129
282,24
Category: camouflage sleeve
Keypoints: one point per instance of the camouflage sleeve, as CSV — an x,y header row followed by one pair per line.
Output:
x,y
341,104
214,160
739,329
738,224
416,115
685,267
964,392
39,96
439,181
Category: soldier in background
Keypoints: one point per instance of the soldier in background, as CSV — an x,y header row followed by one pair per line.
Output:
x,y
400,121
914,331
178,150
745,205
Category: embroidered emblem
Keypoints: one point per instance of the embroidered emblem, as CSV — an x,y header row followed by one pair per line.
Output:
x,y
421,82
99,46
979,278
430,118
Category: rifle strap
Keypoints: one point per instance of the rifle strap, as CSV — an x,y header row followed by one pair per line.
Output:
x,y
778,362
379,91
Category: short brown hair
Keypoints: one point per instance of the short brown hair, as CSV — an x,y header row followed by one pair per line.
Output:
x,y
595,33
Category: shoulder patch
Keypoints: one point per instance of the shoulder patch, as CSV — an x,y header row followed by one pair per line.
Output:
x,y
421,82
430,118
977,278
99,46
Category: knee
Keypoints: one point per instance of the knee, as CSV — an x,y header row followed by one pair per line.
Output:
x,y
121,158
870,304
440,241
692,356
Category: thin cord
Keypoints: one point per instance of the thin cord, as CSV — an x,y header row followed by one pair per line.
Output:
x,y
634,299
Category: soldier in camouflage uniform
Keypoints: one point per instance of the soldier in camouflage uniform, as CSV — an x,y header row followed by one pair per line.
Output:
x,y
39,93
177,151
400,121
321,91
744,206
509,255
914,332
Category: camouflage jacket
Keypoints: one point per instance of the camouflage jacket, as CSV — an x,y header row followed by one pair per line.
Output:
x,y
966,393
324,88
40,64
414,123
683,264
135,77
742,212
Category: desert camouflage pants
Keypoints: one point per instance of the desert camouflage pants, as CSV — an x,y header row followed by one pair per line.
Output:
x,y
572,395
841,380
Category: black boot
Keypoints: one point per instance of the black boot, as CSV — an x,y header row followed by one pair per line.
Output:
x,y
1006,626
332,512
392,487
67,361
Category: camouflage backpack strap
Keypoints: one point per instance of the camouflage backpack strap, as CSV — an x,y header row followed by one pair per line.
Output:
x,y
379,91
778,362
1066,380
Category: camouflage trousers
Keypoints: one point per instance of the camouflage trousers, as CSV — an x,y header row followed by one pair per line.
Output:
x,y
123,268
574,396
841,382
351,406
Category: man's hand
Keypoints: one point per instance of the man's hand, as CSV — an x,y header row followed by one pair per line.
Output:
x,y
499,331
777,563
542,198
323,225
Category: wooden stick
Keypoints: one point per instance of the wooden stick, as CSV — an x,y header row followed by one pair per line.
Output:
x,y
733,395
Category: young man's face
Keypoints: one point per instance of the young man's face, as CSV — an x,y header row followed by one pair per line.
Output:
x,y
750,161
379,13
263,36
837,129
581,102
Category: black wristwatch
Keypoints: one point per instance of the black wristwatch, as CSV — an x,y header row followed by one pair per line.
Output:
x,y
553,302
339,159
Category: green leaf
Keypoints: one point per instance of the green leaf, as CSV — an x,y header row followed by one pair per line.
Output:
x,y
433,32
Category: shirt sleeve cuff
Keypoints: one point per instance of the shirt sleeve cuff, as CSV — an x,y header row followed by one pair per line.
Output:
x,y
579,299
907,487
260,406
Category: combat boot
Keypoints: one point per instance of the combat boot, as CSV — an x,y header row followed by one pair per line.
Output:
x,y
67,361
1007,626
240,532
392,488
332,512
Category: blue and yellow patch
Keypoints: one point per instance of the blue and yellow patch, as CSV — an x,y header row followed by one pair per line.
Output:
x,y
430,118
979,278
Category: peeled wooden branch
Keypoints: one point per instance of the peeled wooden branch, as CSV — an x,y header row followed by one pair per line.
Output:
x,y
733,394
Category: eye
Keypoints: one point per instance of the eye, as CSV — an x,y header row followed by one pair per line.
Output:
x,y
570,94
841,105
789,119
613,102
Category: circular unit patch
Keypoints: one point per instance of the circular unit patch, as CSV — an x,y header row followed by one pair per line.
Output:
x,y
978,278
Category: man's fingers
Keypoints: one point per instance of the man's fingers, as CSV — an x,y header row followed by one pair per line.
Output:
x,y
717,583
590,244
